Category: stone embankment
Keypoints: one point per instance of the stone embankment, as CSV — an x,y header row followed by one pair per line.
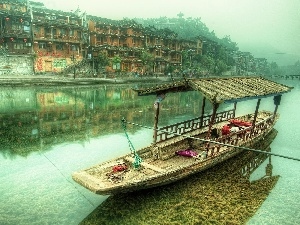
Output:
x,y
18,81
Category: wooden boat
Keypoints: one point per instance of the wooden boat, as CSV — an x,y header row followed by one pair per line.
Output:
x,y
191,146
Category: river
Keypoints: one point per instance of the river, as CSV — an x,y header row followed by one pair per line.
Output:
x,y
48,133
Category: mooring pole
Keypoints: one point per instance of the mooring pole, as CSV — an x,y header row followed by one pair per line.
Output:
x,y
156,106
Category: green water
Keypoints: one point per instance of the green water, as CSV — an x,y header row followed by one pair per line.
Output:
x,y
283,204
48,134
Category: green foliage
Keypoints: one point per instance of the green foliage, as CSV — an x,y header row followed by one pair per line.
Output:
x,y
116,59
207,62
185,59
188,28
217,51
147,58
103,59
3,51
170,69
220,67
274,69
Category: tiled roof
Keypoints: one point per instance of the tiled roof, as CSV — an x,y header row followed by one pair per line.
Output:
x,y
220,90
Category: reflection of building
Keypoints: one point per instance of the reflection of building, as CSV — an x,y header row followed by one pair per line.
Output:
x,y
35,119
14,100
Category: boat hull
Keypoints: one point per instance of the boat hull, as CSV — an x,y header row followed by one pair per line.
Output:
x,y
170,168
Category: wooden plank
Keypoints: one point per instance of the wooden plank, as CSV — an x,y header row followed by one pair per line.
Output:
x,y
147,165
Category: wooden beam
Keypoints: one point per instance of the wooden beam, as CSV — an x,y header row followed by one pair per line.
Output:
x,y
202,112
211,123
234,109
156,105
277,100
255,115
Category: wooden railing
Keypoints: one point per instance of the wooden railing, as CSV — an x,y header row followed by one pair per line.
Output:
x,y
167,132
240,136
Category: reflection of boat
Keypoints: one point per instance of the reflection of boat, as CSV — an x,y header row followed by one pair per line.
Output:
x,y
163,161
253,160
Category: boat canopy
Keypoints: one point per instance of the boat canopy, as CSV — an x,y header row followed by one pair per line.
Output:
x,y
219,90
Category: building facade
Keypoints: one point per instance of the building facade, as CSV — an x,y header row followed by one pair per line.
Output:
x,y
55,41
15,37
58,39
37,40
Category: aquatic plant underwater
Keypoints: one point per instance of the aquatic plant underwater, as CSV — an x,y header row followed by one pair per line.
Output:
x,y
220,195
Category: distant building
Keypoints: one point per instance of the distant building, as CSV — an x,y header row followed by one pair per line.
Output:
x,y
51,41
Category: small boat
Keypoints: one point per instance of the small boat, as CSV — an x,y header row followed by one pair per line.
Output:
x,y
184,148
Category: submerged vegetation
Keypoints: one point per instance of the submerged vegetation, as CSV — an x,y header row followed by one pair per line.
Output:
x,y
221,195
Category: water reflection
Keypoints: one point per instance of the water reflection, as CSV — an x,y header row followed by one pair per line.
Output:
x,y
35,119
53,198
224,194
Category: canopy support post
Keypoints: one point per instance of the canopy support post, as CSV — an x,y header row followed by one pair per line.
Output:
x,y
202,112
277,100
156,105
234,109
255,115
211,122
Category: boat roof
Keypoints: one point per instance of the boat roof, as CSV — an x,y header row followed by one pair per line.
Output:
x,y
220,89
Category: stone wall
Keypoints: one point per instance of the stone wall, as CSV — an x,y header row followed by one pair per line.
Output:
x,y
16,65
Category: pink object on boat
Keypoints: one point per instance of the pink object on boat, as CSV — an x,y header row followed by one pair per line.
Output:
x,y
187,153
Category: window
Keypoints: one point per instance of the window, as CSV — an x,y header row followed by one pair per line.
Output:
x,y
42,45
47,30
73,48
36,29
78,34
19,46
62,31
26,29
16,27
59,46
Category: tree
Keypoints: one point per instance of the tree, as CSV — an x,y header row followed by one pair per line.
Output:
x,y
169,70
274,69
208,63
116,64
220,67
147,60
102,60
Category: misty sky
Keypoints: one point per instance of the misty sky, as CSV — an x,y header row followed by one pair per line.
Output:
x,y
266,28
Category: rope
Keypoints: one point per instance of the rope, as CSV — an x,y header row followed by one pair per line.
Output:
x,y
215,142
89,201
137,159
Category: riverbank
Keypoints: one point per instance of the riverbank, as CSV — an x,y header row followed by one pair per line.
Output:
x,y
48,80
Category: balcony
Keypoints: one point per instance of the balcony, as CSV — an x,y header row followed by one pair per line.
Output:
x,y
56,38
